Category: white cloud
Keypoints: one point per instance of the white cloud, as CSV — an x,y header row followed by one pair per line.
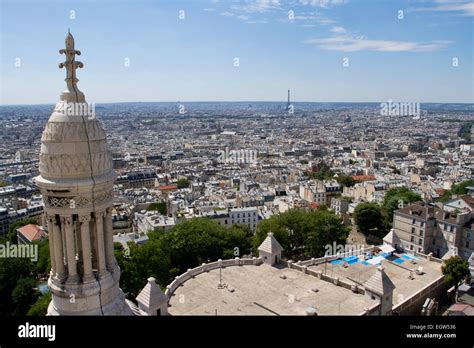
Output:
x,y
257,6
227,14
209,9
458,7
310,20
338,30
323,3
261,21
348,43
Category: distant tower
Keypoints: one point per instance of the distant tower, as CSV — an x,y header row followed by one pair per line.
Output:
x,y
288,104
76,181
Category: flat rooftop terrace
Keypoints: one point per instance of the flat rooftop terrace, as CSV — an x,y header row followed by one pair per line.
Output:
x,y
259,290
399,274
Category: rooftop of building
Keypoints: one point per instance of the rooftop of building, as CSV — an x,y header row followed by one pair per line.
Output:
x,y
260,290
267,290
399,274
31,232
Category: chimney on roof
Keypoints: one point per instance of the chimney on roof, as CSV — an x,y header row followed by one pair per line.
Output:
x,y
462,218
429,212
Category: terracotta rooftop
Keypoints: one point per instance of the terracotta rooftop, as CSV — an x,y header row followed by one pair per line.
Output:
x,y
31,232
363,177
168,187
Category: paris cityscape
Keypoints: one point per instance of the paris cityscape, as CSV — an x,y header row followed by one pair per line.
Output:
x,y
268,200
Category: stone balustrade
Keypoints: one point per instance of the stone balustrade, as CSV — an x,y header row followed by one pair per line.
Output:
x,y
206,267
428,257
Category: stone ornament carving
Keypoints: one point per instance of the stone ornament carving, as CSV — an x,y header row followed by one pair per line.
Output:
x,y
66,220
84,218
79,201
73,164
71,65
66,131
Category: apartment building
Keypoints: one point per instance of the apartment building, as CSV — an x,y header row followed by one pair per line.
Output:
x,y
428,228
244,216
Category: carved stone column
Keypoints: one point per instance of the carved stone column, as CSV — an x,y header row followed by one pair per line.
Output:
x,y
99,221
109,242
58,251
86,248
51,244
66,223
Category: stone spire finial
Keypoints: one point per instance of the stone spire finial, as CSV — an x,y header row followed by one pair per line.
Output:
x,y
73,94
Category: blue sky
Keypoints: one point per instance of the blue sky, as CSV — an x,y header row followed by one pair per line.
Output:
x,y
192,59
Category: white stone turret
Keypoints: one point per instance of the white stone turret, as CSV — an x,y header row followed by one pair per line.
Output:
x,y
76,181
151,300
380,287
270,250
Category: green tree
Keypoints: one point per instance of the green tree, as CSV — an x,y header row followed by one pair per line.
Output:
x,y
461,188
183,183
345,180
143,261
24,295
324,173
43,265
18,278
160,207
369,219
457,189
455,271
303,233
395,198
326,228
12,269
170,253
40,307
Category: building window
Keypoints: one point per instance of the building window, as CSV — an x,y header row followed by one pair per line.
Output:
x,y
413,230
451,228
413,222
468,235
467,244
445,227
411,247
421,233
412,239
422,223
420,241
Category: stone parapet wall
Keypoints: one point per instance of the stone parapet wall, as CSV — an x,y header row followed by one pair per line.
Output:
x,y
205,267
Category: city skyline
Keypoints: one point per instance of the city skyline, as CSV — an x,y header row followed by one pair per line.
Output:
x,y
323,51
